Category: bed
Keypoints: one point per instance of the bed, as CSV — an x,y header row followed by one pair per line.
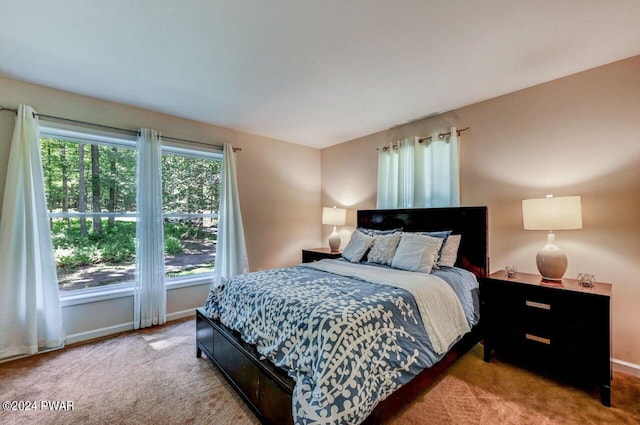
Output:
x,y
271,392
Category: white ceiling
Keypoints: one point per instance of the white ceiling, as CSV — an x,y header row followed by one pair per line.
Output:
x,y
313,72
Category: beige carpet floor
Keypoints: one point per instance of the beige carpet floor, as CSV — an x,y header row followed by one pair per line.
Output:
x,y
153,377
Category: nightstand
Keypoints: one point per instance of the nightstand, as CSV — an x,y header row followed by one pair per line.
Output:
x,y
316,254
557,327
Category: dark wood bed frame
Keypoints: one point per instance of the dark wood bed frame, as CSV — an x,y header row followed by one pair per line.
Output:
x,y
267,389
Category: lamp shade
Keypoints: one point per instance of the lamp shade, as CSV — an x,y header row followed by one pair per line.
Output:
x,y
552,213
561,213
334,216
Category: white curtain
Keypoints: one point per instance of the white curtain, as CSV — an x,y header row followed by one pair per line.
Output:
x,y
150,295
30,315
231,251
420,175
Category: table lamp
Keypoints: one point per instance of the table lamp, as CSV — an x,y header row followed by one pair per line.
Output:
x,y
336,217
552,213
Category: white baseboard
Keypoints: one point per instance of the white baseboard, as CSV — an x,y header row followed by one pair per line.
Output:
x,y
618,365
181,314
626,367
98,333
110,330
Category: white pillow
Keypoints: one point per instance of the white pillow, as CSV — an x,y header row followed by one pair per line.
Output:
x,y
357,246
384,248
449,253
416,253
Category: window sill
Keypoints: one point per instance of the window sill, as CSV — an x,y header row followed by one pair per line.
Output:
x,y
186,281
122,290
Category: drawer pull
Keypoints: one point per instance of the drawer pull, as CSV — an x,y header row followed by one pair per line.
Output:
x,y
538,339
535,304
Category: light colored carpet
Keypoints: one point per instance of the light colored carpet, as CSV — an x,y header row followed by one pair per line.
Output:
x,y
147,377
153,377
475,392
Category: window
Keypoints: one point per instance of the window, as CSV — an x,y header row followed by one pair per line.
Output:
x,y
90,185
190,200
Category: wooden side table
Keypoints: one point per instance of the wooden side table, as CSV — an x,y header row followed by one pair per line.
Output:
x,y
316,254
560,327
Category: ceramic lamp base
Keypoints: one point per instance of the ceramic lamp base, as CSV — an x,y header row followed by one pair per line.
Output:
x,y
551,260
334,240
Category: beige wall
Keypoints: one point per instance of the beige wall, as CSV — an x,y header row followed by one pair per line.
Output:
x,y
279,186
578,135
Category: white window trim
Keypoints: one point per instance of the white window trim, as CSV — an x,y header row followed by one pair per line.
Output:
x,y
99,293
122,290
80,135
193,280
191,153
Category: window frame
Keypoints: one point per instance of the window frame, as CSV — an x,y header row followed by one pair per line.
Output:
x,y
217,155
88,135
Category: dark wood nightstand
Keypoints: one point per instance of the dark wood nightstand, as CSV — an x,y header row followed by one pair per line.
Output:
x,y
316,254
557,327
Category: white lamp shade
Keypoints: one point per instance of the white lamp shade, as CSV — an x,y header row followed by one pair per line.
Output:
x,y
334,216
561,213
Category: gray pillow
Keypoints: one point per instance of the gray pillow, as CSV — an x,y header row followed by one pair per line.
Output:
x,y
442,234
384,248
374,232
416,253
357,246
449,252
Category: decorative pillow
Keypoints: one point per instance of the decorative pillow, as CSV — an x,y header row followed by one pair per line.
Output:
x,y
357,246
384,248
442,234
449,252
374,232
416,253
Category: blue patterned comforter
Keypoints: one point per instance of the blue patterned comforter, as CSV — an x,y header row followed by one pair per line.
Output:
x,y
346,342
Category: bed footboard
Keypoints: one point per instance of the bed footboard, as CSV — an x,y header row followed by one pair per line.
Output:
x,y
266,389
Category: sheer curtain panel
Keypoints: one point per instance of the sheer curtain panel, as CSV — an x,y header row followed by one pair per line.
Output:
x,y
150,294
30,315
420,175
231,251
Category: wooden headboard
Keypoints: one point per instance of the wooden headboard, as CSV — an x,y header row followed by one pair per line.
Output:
x,y
470,222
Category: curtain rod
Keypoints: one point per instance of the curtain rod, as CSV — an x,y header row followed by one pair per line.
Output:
x,y
441,136
124,130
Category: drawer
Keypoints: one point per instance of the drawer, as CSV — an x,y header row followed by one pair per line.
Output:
x,y
537,318
242,370
274,404
310,257
204,334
